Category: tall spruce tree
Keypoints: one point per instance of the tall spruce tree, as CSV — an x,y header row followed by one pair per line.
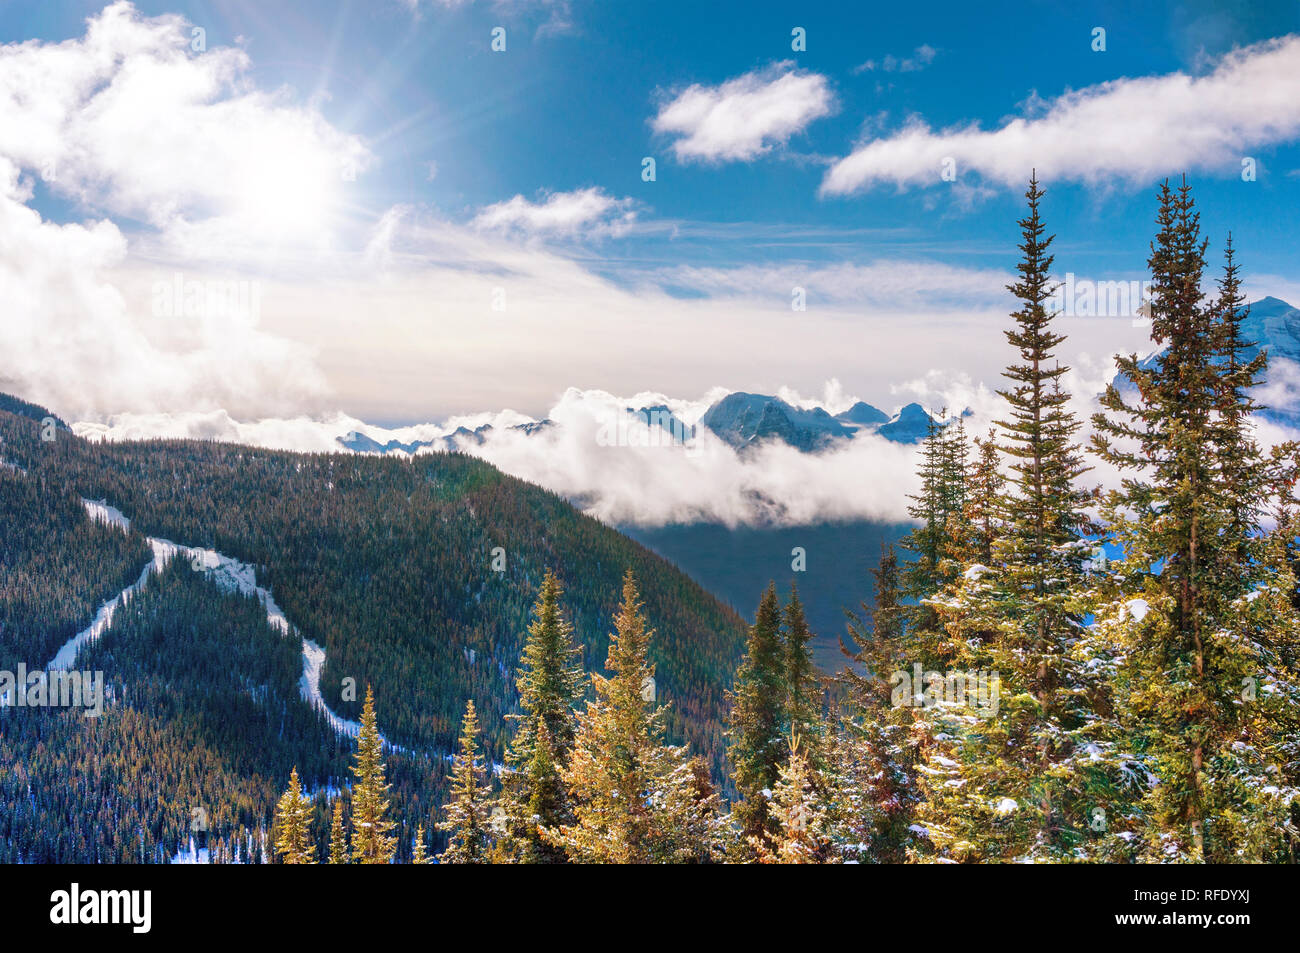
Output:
x,y
293,840
621,768
467,813
1042,547
550,683
875,756
1002,780
1181,614
757,720
1239,460
938,510
372,839
338,838
803,685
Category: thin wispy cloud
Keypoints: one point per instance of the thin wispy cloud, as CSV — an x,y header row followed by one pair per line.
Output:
x,y
886,283
590,212
557,14
745,117
918,60
1126,130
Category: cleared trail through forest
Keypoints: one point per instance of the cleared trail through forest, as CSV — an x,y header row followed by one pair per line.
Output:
x,y
231,575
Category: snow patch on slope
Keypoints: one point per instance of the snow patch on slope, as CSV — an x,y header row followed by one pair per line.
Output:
x,y
232,576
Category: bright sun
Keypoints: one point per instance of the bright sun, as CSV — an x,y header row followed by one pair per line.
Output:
x,y
291,198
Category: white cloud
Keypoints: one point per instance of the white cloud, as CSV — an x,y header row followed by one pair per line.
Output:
x,y
129,120
1128,130
887,283
133,121
71,340
644,481
920,58
590,212
744,117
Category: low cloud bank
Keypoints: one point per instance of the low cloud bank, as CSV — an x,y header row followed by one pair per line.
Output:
x,y
624,459
618,466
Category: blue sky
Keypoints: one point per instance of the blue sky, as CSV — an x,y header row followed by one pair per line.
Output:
x,y
460,149
568,105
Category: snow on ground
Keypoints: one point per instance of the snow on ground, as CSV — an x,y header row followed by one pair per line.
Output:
x,y
232,576
101,512
191,855
66,657
313,657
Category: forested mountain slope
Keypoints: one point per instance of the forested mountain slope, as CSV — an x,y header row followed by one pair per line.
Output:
x,y
417,577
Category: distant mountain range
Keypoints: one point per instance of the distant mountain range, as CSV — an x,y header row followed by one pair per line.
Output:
x,y
734,563
741,420
458,439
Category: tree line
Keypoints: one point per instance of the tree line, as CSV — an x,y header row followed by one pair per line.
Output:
x,y
1055,673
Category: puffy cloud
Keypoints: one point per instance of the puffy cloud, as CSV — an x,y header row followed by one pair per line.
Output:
x,y
590,212
70,340
139,121
1128,130
744,117
132,120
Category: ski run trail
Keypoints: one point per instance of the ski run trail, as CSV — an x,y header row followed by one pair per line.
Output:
x,y
232,576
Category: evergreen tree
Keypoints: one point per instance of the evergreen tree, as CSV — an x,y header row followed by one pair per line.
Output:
x,y
293,840
938,511
695,829
338,839
372,839
467,812
803,685
620,770
803,825
548,804
419,854
757,720
1001,781
1181,612
550,682
876,754
1042,550
1239,461
984,516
